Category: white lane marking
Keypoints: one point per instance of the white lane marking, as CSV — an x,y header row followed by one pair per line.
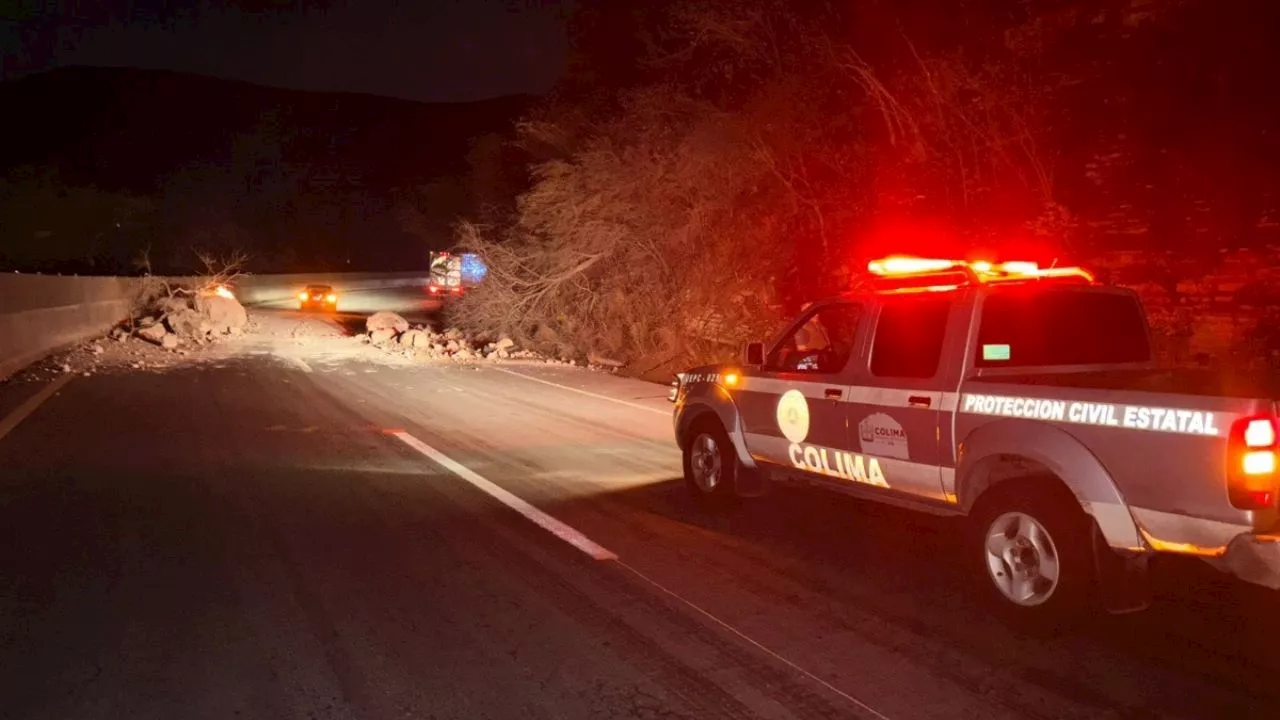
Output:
x,y
583,392
25,409
586,545
754,643
541,519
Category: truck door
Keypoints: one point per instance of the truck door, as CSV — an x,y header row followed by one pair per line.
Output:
x,y
896,402
792,409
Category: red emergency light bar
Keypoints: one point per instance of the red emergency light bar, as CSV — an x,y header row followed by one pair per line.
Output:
x,y
917,272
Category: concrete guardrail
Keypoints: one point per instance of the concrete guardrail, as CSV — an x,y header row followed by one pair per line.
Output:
x,y
40,314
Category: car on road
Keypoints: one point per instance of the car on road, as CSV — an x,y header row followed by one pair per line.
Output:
x,y
318,297
1023,399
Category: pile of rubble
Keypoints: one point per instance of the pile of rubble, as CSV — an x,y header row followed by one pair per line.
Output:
x,y
169,338
174,321
392,332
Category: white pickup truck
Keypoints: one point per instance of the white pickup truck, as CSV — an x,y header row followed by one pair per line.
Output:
x,y
1025,399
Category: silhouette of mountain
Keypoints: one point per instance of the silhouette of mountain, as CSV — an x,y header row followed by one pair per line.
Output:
x,y
306,179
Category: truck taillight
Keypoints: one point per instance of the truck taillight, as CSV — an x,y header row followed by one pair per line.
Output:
x,y
1259,433
1252,464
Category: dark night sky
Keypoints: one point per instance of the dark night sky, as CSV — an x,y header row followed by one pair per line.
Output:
x,y
427,50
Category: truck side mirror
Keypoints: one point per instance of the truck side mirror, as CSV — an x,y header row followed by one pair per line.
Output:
x,y
754,354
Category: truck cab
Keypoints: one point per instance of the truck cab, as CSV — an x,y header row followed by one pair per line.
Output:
x,y
452,274
883,393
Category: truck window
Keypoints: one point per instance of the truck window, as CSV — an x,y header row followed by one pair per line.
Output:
x,y
1061,327
909,336
821,343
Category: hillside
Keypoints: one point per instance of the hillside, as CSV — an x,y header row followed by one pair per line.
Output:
x,y
265,162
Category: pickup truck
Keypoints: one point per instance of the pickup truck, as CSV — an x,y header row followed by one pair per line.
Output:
x,y
1024,399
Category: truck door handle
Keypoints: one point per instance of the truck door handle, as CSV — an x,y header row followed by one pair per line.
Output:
x,y
833,393
919,401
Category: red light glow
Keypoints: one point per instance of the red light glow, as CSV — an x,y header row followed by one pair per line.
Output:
x,y
984,271
1259,433
906,265
1252,463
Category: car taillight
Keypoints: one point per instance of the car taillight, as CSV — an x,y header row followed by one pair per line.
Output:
x,y
331,297
302,296
1252,463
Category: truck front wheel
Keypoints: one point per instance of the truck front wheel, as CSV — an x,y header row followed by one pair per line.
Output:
x,y
710,466
1031,540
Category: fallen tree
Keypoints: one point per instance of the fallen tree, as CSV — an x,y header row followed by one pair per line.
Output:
x,y
762,151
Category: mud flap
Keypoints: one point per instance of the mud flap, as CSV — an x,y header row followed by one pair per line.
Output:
x,y
1124,583
751,482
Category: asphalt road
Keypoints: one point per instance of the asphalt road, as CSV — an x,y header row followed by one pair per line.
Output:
x,y
296,528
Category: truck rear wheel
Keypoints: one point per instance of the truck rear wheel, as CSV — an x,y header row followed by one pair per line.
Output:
x,y
1032,545
710,466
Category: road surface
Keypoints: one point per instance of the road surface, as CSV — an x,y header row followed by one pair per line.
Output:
x,y
294,527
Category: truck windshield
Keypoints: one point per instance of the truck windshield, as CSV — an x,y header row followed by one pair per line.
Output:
x,y
1061,327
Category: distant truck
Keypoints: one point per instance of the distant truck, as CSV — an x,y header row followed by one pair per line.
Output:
x,y
452,274
1023,399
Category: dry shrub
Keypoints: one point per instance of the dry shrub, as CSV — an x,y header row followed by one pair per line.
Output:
x,y
634,247
153,293
677,227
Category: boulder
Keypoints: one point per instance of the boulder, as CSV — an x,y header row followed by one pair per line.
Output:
x,y
147,321
221,313
170,342
415,339
184,322
505,343
386,321
382,336
169,305
153,333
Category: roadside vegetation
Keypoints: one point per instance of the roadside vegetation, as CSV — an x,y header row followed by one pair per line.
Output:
x,y
730,160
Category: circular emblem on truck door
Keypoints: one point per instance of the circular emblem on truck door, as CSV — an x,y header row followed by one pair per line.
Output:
x,y
793,416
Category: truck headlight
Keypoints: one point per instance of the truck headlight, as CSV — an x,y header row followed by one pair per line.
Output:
x,y
675,387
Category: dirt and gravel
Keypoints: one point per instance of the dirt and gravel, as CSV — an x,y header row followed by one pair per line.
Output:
x,y
179,331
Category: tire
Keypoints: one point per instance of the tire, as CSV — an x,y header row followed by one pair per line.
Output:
x,y
1029,540
710,465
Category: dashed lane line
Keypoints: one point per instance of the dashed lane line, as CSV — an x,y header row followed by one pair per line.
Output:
x,y
539,518
591,548
21,412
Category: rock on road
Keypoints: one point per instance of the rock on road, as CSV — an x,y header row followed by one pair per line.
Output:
x,y
246,536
